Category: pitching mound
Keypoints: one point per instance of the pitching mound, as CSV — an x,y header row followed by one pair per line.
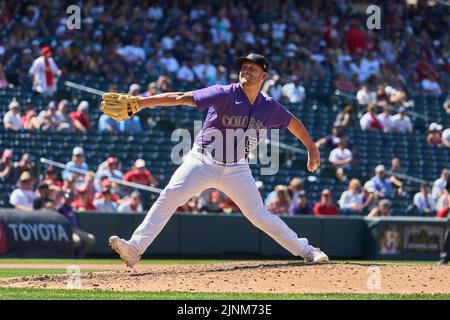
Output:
x,y
258,277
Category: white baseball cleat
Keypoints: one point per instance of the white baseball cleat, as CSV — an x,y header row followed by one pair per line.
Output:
x,y
316,255
126,251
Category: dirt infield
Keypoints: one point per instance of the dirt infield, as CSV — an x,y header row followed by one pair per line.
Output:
x,y
253,277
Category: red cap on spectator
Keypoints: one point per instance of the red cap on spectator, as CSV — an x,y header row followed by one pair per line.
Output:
x,y
111,160
7,153
46,50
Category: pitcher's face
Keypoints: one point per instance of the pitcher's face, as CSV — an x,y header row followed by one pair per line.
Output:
x,y
251,74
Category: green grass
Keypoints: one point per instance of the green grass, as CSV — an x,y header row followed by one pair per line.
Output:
x,y
113,261
9,273
43,294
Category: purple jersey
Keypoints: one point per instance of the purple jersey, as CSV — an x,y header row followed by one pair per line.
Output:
x,y
233,122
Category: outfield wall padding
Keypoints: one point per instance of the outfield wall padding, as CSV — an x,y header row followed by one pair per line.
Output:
x,y
48,234
228,235
36,234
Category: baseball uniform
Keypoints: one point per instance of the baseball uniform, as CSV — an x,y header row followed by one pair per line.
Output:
x,y
225,167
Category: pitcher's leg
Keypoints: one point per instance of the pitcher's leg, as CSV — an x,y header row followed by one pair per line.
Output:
x,y
189,179
240,186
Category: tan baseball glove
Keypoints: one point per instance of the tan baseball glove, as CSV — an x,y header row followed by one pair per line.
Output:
x,y
119,106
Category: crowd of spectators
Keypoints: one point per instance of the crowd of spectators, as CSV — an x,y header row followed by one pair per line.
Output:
x,y
76,186
82,190
373,198
196,42
57,118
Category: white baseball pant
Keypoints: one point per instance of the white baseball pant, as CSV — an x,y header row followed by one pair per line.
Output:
x,y
199,172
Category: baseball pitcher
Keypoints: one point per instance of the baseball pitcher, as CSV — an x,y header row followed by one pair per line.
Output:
x,y
240,108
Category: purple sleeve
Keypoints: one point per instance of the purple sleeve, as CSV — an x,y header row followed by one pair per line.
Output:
x,y
281,117
214,96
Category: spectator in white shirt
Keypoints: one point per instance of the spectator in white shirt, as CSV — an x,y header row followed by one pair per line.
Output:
x,y
22,197
341,159
402,123
369,121
294,91
155,12
168,42
366,96
206,72
249,35
368,67
431,86
104,203
385,119
186,73
220,28
278,29
45,73
170,62
12,119
222,76
132,205
272,87
424,202
351,201
446,137
440,184
134,51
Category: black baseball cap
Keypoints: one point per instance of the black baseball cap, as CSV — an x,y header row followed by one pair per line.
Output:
x,y
254,58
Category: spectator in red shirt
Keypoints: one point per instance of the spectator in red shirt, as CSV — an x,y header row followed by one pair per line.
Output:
x,y
356,39
424,69
80,117
330,34
104,184
326,206
30,120
140,174
84,202
51,177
